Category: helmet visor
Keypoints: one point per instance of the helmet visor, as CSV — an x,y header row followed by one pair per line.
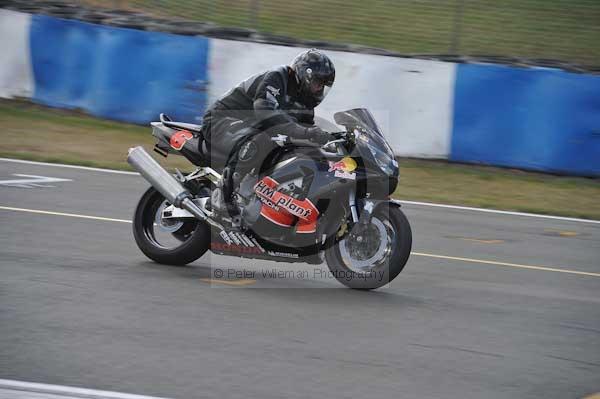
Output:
x,y
319,87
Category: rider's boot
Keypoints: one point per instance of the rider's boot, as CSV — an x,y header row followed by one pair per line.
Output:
x,y
232,209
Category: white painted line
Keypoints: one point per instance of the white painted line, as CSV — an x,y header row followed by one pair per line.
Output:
x,y
72,215
468,208
489,262
31,181
66,392
464,208
61,165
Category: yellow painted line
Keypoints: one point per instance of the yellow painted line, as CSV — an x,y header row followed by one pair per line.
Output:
x,y
71,215
562,233
594,396
567,234
483,241
491,262
239,282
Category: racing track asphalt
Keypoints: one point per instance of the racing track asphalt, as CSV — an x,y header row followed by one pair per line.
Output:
x,y
81,306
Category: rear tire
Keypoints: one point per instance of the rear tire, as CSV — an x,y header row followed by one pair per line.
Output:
x,y
390,267
194,243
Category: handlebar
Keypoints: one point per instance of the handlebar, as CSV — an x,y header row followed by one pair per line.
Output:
x,y
338,137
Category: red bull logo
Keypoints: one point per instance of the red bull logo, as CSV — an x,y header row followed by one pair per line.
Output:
x,y
346,164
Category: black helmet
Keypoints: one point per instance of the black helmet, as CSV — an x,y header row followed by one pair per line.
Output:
x,y
314,74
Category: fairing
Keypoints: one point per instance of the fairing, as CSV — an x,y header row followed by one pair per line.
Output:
x,y
380,166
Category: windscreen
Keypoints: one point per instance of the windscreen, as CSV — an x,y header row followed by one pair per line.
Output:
x,y
369,139
357,117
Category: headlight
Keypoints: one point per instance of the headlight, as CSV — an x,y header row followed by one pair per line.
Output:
x,y
380,150
387,164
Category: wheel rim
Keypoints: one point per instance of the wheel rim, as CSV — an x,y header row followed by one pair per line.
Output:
x,y
374,249
166,225
165,233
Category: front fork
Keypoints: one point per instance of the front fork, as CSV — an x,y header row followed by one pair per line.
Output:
x,y
367,208
361,211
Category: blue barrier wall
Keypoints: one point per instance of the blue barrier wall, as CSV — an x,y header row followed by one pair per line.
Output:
x,y
539,119
117,73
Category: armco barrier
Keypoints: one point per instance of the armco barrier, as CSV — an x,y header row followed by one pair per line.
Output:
x,y
539,119
117,73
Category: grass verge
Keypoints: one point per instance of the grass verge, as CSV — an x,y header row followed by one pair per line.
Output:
x,y
42,134
558,29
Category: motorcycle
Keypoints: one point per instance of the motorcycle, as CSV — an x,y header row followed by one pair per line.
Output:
x,y
306,203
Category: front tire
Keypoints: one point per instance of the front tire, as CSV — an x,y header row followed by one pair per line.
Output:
x,y
191,239
394,253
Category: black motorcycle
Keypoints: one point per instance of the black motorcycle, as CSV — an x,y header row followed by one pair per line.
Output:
x,y
305,203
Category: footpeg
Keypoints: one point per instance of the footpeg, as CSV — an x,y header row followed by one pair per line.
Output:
x,y
217,202
236,221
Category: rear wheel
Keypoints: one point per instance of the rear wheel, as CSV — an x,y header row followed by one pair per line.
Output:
x,y
167,241
375,255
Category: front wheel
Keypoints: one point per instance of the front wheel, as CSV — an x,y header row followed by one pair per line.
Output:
x,y
167,241
375,255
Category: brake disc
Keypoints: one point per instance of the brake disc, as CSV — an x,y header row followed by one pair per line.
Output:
x,y
368,248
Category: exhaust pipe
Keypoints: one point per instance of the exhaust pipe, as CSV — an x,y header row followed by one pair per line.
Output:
x,y
166,184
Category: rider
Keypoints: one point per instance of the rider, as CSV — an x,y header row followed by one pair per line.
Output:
x,y
278,101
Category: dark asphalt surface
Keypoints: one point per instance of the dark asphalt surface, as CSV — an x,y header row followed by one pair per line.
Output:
x,y
81,306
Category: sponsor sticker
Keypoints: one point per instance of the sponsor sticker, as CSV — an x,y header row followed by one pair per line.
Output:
x,y
235,238
283,254
219,246
304,209
237,242
346,164
179,139
345,175
225,237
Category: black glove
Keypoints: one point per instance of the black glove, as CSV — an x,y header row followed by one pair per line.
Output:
x,y
317,135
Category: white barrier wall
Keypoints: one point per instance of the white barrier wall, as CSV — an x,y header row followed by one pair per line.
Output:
x,y
16,75
411,99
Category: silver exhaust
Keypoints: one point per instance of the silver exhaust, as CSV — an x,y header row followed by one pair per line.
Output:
x,y
166,184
